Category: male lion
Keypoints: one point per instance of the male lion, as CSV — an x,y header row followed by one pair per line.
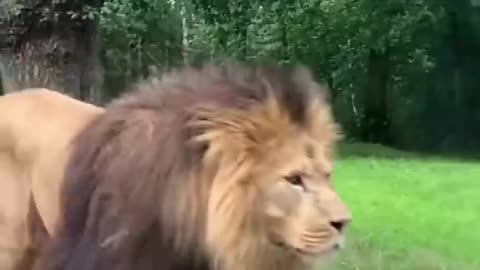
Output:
x,y
36,126
225,167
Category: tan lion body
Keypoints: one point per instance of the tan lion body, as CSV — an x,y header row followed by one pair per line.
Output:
x,y
36,126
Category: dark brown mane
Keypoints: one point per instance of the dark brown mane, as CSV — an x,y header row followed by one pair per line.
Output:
x,y
129,165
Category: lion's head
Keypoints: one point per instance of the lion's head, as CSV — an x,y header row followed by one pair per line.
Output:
x,y
218,167
272,202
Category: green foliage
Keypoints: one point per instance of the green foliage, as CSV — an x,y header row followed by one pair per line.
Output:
x,y
136,35
333,37
151,26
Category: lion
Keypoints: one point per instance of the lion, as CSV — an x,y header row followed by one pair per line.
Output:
x,y
218,166
36,126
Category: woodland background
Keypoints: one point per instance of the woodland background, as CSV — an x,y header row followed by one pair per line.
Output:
x,y
403,73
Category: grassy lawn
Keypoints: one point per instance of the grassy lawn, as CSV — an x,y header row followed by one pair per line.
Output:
x,y
410,211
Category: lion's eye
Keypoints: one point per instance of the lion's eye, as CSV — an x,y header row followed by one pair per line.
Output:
x,y
296,180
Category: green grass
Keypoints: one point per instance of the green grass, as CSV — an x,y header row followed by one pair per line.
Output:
x,y
410,211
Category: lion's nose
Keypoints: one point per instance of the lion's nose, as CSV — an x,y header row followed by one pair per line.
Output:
x,y
340,224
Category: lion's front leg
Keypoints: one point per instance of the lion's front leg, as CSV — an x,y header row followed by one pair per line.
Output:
x,y
16,251
17,259
9,258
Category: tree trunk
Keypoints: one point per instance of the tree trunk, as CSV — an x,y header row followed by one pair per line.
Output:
x,y
186,13
283,16
376,121
1,85
52,45
183,13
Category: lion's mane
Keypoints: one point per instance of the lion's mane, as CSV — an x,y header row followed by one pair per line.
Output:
x,y
139,189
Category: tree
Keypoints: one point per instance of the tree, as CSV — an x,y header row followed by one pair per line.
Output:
x,y
50,43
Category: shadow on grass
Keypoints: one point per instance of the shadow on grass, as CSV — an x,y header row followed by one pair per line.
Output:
x,y
362,254
366,150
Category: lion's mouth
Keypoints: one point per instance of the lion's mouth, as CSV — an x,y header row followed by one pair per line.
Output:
x,y
314,253
311,253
